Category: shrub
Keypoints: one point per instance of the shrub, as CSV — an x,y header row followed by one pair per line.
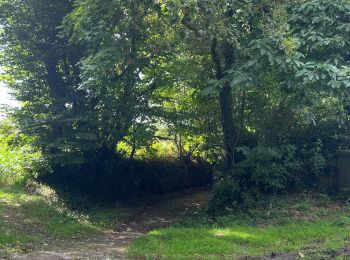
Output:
x,y
226,194
125,179
314,163
264,171
268,170
18,160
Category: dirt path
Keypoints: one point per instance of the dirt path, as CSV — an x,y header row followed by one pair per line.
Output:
x,y
112,244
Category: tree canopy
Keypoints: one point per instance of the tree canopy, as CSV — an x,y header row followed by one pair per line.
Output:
x,y
237,83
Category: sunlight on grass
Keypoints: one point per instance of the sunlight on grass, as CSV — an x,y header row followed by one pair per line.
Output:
x,y
35,214
55,220
230,233
288,229
23,216
173,243
155,232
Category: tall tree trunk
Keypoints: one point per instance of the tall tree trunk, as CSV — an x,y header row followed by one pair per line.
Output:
x,y
227,123
55,83
225,99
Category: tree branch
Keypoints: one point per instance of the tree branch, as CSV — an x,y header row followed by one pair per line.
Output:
x,y
186,21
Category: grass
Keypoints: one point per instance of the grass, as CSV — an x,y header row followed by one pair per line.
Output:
x,y
302,225
35,217
306,225
41,214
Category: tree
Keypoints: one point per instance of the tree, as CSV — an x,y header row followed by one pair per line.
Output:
x,y
226,30
214,74
249,41
42,69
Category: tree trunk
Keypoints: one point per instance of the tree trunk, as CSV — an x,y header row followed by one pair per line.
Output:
x,y
227,123
225,99
133,150
55,83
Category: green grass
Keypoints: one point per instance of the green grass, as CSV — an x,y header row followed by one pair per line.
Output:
x,y
309,225
34,214
290,226
41,213
31,218
9,234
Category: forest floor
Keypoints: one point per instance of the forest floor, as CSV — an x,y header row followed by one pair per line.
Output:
x,y
174,226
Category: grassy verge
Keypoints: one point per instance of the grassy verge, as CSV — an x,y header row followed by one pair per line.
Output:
x,y
300,226
33,218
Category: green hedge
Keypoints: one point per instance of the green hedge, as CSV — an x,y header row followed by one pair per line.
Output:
x,y
125,179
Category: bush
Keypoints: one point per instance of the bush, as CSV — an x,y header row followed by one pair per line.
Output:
x,y
264,171
16,164
18,160
314,164
268,170
119,178
317,145
225,195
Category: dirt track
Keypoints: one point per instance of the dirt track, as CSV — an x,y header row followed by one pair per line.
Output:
x,y
112,244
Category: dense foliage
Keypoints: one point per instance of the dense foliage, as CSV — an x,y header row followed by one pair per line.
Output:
x,y
257,88
18,160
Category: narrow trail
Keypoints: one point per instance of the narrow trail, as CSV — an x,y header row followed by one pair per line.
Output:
x,y
112,244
